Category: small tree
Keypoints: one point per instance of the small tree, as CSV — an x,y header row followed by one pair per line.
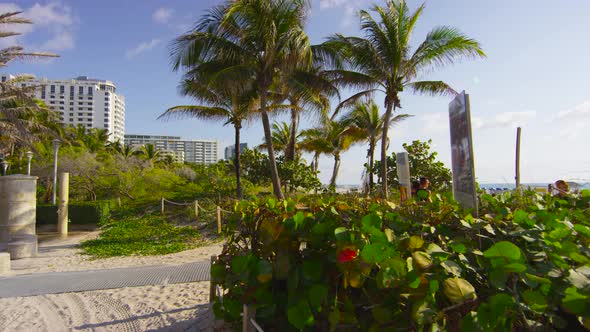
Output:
x,y
423,162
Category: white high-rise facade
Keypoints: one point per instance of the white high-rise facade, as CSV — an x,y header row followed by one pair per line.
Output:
x,y
84,101
194,151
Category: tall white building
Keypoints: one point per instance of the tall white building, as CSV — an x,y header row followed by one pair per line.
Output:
x,y
84,101
195,151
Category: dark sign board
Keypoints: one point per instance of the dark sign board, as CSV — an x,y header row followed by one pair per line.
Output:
x,y
462,152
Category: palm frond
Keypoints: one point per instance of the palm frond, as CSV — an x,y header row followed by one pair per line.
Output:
x,y
195,111
432,88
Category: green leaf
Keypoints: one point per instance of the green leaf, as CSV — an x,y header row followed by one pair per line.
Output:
x,y
239,264
299,314
312,269
271,203
389,234
232,307
515,267
538,279
559,234
523,218
264,271
217,272
504,249
585,230
317,295
334,211
415,242
498,278
452,268
574,301
382,314
371,220
580,278
535,300
342,234
422,313
391,272
433,248
458,248
299,218
377,252
414,279
458,290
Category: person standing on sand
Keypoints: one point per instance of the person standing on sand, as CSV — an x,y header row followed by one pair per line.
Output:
x,y
423,193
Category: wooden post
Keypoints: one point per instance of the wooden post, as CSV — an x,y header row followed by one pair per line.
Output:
x,y
62,208
197,210
218,220
249,312
119,201
212,286
162,205
517,170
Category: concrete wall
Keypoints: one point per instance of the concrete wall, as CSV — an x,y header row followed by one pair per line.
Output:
x,y
17,215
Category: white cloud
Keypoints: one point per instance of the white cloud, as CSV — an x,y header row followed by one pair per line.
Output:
x,y
50,14
53,20
62,41
350,7
434,123
162,15
581,111
504,119
326,4
142,47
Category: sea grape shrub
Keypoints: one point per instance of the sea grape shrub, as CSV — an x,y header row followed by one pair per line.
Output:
x,y
342,263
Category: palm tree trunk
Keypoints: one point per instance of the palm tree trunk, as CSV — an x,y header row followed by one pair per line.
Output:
x,y
371,163
274,173
316,161
237,163
290,153
384,189
335,171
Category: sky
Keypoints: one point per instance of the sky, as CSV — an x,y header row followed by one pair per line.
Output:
x,y
536,75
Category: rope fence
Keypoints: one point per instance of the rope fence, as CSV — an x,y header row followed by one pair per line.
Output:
x,y
197,207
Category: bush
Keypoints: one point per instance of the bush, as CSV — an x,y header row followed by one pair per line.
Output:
x,y
325,263
145,235
83,213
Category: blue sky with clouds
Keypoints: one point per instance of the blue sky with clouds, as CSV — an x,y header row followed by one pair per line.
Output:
x,y
536,74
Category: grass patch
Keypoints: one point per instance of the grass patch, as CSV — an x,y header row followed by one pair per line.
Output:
x,y
146,235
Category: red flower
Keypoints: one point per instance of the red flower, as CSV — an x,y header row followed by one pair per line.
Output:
x,y
346,255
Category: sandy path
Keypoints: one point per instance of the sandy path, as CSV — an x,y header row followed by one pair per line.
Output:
x,y
60,255
179,307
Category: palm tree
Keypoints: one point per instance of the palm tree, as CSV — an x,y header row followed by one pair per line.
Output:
x,y
149,153
335,137
16,52
262,40
18,121
281,137
314,142
24,122
383,61
307,90
366,117
226,104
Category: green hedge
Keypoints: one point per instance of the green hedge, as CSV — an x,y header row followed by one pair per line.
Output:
x,y
95,212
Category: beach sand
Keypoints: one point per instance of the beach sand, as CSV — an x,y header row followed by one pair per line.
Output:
x,y
61,255
174,307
